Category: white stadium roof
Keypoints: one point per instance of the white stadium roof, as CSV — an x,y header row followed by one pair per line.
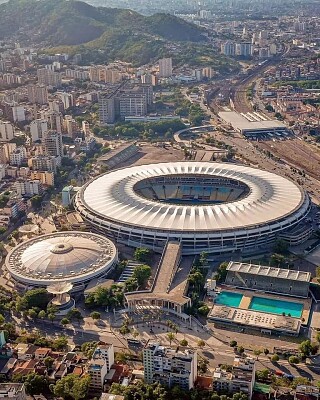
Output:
x,y
112,197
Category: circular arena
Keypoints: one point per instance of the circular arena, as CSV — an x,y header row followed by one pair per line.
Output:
x,y
63,257
213,207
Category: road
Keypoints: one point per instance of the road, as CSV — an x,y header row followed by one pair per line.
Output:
x,y
216,350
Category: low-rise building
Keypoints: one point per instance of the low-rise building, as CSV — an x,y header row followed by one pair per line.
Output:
x,y
241,378
13,391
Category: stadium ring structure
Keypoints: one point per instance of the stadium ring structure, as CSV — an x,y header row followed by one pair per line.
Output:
x,y
64,258
207,206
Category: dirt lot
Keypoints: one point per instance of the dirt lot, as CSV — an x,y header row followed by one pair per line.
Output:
x,y
153,154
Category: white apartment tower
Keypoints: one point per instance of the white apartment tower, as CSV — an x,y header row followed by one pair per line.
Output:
x,y
170,367
38,128
100,364
228,48
6,131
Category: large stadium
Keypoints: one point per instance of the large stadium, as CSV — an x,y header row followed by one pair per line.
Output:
x,y
213,207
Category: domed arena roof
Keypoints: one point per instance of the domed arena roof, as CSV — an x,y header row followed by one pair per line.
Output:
x,y
73,257
189,197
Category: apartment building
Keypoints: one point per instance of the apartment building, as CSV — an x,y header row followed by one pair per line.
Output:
x,y
107,109
48,77
126,101
100,364
240,379
28,187
43,163
37,94
6,131
45,177
53,144
18,156
38,128
165,67
169,366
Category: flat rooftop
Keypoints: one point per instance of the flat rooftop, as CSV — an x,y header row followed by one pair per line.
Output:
x,y
273,272
255,319
240,123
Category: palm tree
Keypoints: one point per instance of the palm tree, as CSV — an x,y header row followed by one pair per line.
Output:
x,y
171,336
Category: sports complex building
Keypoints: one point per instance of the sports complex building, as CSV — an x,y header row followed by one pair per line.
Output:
x,y
71,257
253,124
262,297
205,206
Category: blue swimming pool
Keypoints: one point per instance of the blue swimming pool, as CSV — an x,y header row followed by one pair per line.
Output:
x,y
275,306
230,299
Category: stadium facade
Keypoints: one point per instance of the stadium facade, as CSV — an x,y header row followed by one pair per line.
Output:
x,y
214,207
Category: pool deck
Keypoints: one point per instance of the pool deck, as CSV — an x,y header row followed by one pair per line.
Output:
x,y
248,294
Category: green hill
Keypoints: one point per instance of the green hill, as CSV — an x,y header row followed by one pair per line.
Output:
x,y
61,23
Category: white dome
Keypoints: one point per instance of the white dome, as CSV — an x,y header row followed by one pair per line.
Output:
x,y
61,257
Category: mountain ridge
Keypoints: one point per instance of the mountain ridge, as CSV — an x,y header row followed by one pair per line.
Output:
x,y
61,22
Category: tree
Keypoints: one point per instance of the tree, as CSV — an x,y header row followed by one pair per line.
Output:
x,y
262,375
201,343
171,336
121,358
204,310
32,313
48,362
307,348
184,342
51,317
203,365
277,260
233,343
75,313
142,273
221,272
60,344
36,202
257,353
293,360
281,247
240,349
266,351
42,314
203,259
72,386
275,358
36,298
35,384
142,254
95,315
65,321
